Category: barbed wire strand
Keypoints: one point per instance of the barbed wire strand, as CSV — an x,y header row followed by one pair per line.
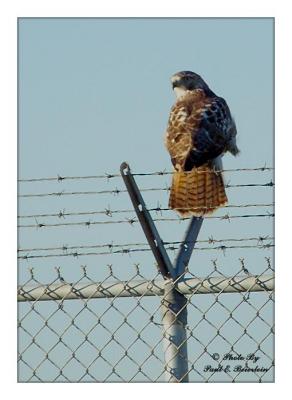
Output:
x,y
119,191
210,240
135,250
128,251
109,212
132,221
60,178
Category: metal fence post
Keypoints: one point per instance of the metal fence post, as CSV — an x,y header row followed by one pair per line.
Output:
x,y
174,311
174,320
174,303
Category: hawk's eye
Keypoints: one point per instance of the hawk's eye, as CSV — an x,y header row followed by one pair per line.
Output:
x,y
175,84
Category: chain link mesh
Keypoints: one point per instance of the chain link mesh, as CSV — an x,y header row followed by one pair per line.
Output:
x,y
107,334
105,322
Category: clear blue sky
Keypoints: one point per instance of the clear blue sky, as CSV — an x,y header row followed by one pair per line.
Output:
x,y
96,92
99,90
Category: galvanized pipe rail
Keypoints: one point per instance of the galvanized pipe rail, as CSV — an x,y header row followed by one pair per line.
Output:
x,y
137,288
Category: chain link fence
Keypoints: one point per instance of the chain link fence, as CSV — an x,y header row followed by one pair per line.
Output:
x,y
111,316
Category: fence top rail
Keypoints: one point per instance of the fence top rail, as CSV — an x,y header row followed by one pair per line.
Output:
x,y
138,288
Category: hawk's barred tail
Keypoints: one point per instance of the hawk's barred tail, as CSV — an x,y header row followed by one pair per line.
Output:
x,y
197,192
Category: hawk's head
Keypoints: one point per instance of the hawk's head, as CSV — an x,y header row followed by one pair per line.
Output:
x,y
187,80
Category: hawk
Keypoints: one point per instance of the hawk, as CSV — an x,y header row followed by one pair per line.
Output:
x,y
200,130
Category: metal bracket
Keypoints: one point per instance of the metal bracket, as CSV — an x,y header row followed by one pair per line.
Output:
x,y
167,269
151,233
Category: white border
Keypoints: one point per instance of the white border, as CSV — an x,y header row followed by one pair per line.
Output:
x,y
155,8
